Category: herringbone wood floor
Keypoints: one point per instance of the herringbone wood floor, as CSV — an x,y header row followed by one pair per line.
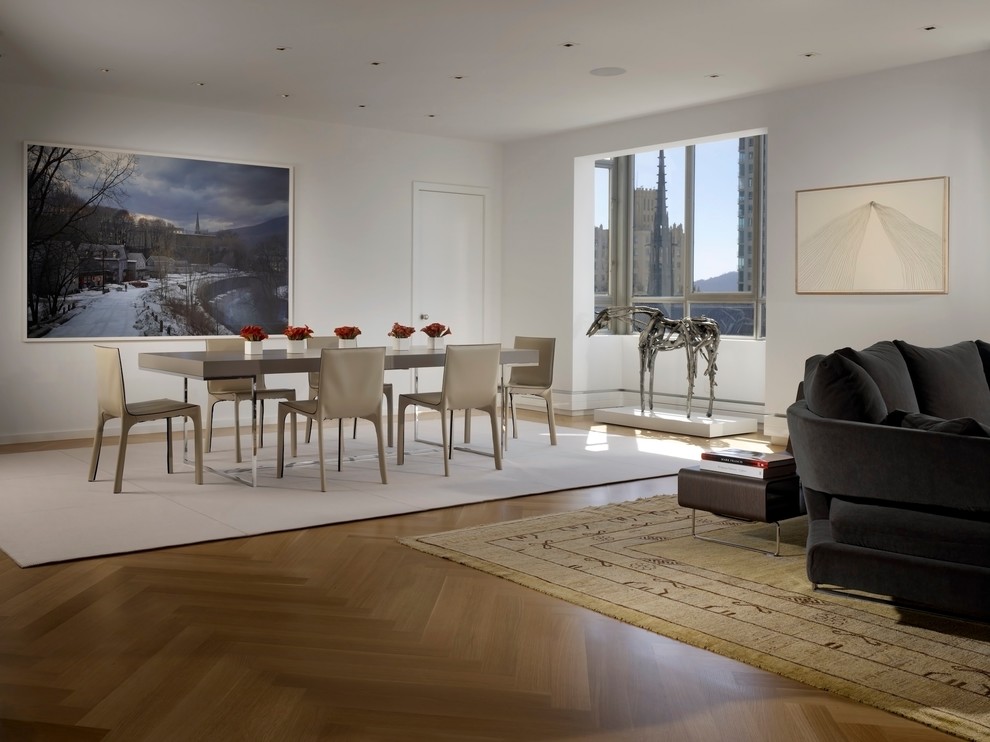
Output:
x,y
340,633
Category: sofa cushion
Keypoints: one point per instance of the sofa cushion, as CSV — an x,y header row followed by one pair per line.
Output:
x,y
949,381
921,421
933,535
837,388
984,349
885,364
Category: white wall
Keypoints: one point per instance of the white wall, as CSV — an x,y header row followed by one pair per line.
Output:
x,y
353,236
920,121
353,215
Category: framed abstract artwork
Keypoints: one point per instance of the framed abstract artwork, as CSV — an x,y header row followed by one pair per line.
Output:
x,y
126,245
875,238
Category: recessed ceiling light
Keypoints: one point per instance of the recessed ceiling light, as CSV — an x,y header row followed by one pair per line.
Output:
x,y
431,115
929,28
569,44
457,77
809,55
199,84
608,71
361,105
376,64
713,76
282,48
285,95
104,69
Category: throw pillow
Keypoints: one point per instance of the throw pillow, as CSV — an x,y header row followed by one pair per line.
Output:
x,y
835,387
920,421
885,364
949,381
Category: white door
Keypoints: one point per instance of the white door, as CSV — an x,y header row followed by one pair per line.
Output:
x,y
448,267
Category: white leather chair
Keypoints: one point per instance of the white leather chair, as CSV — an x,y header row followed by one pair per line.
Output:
x,y
111,401
332,341
534,380
237,391
470,382
350,385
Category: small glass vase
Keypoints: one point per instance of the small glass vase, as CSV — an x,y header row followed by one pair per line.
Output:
x,y
401,343
253,347
347,343
436,343
296,346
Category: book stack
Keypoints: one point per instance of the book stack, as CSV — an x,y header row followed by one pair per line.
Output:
x,y
745,463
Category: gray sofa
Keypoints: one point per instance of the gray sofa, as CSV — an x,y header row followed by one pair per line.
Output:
x,y
892,444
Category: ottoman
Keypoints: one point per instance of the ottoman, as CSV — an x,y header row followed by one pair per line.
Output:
x,y
739,497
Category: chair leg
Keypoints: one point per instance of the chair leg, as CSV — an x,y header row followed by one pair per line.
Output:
x,y
209,425
448,448
319,445
97,446
445,438
496,438
377,422
400,449
391,422
280,416
261,423
550,419
168,445
197,421
237,431
340,440
512,413
294,435
467,426
118,479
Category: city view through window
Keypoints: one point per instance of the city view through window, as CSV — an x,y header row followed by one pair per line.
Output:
x,y
681,229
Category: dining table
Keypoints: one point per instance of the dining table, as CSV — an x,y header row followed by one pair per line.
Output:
x,y
211,365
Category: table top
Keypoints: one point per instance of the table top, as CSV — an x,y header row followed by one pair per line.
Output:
x,y
222,364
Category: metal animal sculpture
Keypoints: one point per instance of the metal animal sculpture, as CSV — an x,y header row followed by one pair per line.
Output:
x,y
656,333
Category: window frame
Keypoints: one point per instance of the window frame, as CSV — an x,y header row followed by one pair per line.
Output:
x,y
620,237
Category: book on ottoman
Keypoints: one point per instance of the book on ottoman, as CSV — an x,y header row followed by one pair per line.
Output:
x,y
745,463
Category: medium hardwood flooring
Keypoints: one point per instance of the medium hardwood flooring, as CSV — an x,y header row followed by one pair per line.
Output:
x,y
340,633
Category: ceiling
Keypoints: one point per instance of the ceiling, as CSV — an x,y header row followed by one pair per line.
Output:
x,y
491,70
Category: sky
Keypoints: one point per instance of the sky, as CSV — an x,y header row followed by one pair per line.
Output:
x,y
716,202
226,195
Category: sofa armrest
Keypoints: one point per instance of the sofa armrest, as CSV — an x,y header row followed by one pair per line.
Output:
x,y
877,462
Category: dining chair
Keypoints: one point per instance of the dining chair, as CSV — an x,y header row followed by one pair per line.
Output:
x,y
533,380
111,401
331,341
470,382
350,385
237,391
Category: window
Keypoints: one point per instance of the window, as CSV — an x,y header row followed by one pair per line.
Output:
x,y
682,229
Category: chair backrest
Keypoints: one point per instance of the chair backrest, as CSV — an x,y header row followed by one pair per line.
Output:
x,y
227,386
320,341
351,381
470,375
540,375
109,381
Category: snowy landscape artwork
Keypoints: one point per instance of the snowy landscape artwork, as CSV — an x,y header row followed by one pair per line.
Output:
x,y
131,245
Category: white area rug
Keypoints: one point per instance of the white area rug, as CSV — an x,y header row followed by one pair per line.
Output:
x,y
50,513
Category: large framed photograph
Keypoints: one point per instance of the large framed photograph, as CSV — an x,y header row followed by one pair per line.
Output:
x,y
875,238
133,245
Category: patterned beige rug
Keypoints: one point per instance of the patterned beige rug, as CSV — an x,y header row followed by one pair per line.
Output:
x,y
636,561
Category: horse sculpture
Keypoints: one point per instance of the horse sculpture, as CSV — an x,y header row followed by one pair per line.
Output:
x,y
656,333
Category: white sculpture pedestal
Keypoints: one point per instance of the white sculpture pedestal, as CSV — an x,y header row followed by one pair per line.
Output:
x,y
666,421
